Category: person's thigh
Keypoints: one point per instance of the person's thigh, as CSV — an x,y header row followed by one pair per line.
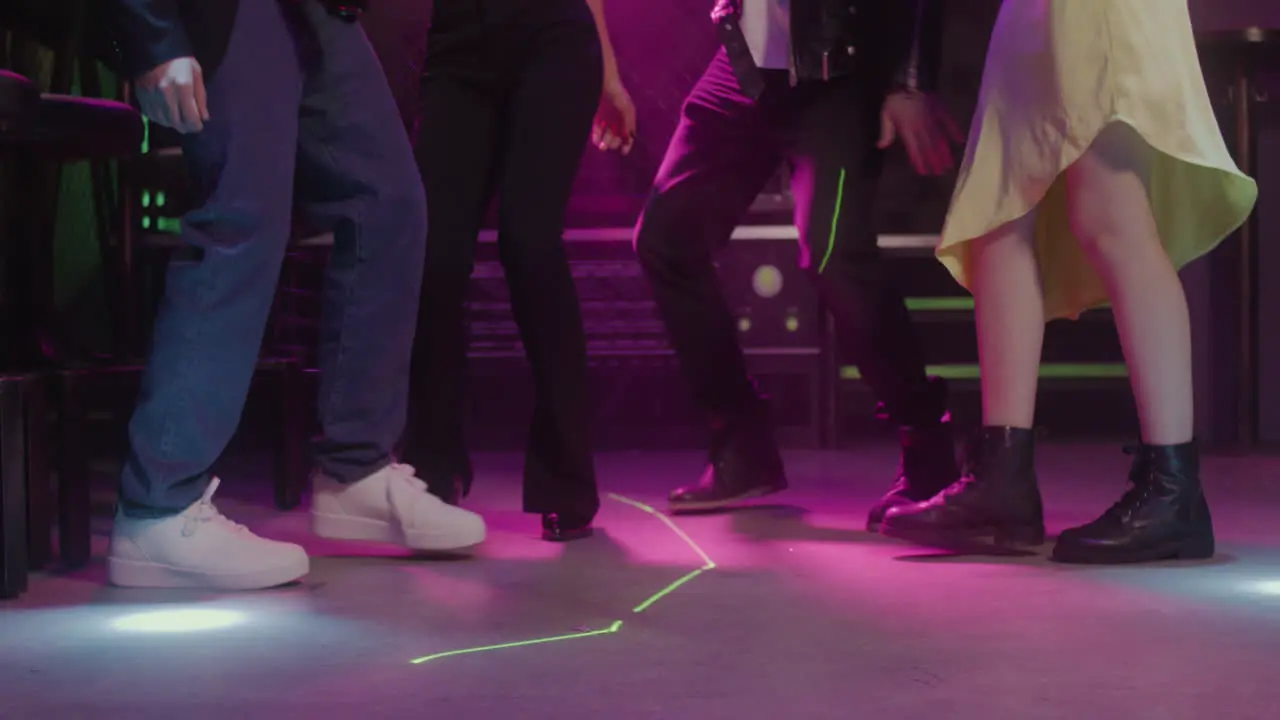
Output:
x,y
546,127
1107,194
723,151
836,171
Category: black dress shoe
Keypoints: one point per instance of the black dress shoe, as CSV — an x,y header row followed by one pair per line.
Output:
x,y
996,502
563,527
1163,515
744,463
928,466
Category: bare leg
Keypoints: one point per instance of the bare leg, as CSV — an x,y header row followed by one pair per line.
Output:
x,y
997,501
1111,216
1164,514
1009,313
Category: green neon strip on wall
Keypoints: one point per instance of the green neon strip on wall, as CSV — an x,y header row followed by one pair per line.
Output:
x,y
940,303
1056,371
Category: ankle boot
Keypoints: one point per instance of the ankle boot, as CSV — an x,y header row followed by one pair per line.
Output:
x,y
927,467
1162,516
743,463
996,501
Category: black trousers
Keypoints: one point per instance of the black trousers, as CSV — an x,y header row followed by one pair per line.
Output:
x,y
397,30
725,149
507,105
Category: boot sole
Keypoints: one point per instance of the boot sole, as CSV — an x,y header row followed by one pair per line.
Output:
x,y
341,527
141,574
1197,548
684,507
975,541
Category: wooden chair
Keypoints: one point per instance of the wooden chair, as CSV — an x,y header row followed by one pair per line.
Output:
x,y
19,106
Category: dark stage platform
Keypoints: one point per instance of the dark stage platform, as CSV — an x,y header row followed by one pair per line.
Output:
x,y
786,610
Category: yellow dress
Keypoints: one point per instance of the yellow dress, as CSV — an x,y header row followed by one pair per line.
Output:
x,y
1057,73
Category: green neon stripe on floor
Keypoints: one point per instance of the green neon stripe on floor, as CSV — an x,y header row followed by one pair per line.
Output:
x,y
707,564
1057,371
519,643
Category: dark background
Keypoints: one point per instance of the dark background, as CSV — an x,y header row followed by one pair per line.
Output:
x,y
663,46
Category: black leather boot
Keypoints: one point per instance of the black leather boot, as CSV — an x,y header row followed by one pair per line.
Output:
x,y
928,462
996,502
744,463
1162,516
927,467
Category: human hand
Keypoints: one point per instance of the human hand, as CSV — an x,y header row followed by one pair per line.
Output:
x,y
173,95
925,129
615,125
723,9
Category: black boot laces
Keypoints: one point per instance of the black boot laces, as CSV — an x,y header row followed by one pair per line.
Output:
x,y
1139,489
970,468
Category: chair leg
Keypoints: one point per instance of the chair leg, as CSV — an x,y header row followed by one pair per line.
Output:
x,y
39,475
13,490
74,497
291,444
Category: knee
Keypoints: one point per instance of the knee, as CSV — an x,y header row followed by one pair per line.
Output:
x,y
399,227
847,259
1099,232
408,202
1108,205
656,235
238,227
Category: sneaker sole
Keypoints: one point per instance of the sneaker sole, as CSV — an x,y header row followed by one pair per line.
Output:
x,y
341,527
142,574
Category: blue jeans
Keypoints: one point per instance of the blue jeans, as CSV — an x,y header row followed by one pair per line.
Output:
x,y
300,101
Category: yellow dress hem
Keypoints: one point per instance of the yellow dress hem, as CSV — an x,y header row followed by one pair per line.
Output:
x,y
952,251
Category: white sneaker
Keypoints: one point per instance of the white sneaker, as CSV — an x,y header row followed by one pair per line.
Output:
x,y
391,506
199,548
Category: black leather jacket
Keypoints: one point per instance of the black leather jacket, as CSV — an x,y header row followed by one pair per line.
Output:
x,y
898,41
149,33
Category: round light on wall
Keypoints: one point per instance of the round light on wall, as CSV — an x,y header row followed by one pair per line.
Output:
x,y
767,281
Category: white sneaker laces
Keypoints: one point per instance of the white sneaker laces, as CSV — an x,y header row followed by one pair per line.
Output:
x,y
407,473
204,512
404,470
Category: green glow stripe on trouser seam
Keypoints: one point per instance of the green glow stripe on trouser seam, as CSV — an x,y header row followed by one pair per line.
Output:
x,y
835,221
